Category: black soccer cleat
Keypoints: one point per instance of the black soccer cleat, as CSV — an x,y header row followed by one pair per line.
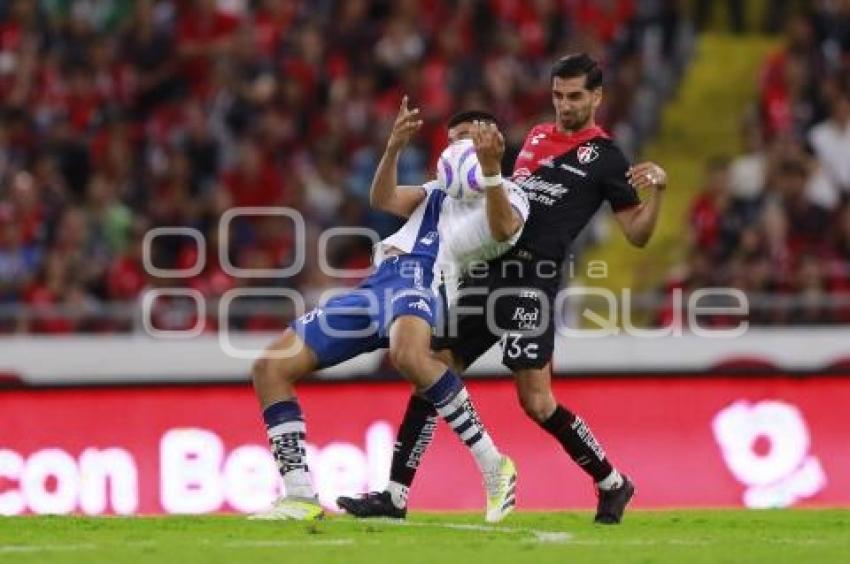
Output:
x,y
372,504
612,503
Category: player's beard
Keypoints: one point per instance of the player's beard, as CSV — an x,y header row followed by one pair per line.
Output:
x,y
575,121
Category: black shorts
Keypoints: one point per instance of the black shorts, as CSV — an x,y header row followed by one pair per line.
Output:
x,y
511,303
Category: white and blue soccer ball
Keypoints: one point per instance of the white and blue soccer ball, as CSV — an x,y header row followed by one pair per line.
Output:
x,y
459,172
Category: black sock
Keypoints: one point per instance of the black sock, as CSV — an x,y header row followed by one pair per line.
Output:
x,y
575,436
414,435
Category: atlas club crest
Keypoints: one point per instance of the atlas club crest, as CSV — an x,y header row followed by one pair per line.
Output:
x,y
587,154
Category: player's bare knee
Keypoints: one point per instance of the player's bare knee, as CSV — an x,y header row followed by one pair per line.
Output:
x,y
448,358
259,369
537,404
268,370
406,359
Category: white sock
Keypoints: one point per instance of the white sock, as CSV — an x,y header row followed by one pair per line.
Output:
x,y
398,494
289,450
297,483
612,482
459,413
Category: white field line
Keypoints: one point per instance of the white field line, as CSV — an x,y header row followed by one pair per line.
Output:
x,y
695,542
641,542
23,549
560,537
539,536
283,543
258,543
20,548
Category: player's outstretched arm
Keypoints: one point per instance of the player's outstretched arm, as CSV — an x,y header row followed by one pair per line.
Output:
x,y
638,223
489,147
384,194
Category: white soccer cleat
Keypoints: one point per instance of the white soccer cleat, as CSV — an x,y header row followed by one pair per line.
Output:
x,y
292,509
501,491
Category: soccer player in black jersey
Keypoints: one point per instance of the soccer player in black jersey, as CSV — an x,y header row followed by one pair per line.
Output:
x,y
569,169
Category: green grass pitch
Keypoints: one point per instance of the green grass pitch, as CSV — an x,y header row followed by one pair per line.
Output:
x,y
689,537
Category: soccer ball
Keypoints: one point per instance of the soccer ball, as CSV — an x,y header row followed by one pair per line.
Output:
x,y
459,172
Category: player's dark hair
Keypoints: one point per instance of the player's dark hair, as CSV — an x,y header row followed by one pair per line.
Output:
x,y
579,64
470,116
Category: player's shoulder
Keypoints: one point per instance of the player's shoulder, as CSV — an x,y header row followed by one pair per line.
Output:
x,y
611,157
607,144
543,127
541,130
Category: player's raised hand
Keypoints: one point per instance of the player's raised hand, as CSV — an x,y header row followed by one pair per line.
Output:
x,y
489,146
647,175
407,122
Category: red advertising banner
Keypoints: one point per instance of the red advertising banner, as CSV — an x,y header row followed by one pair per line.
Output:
x,y
687,442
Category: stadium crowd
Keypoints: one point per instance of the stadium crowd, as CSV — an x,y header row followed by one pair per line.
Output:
x,y
119,116
774,221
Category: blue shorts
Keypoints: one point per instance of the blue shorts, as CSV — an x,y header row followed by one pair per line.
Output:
x,y
358,321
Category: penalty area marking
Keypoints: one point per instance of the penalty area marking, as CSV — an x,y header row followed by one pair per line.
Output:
x,y
539,536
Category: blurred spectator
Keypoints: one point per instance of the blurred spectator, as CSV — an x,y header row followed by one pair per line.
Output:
x,y
747,171
254,180
149,49
830,140
109,219
204,34
788,103
809,287
126,276
808,223
717,217
18,262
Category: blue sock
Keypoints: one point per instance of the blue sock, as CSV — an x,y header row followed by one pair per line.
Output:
x,y
444,389
282,412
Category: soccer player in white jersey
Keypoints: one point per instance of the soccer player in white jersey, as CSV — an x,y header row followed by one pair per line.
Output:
x,y
394,307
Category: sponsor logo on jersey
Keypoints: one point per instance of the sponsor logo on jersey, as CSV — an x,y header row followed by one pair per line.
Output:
x,y
526,155
537,137
543,191
429,238
521,173
526,319
574,170
310,316
421,305
587,153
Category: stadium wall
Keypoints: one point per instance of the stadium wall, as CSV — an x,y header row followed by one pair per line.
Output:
x,y
33,360
767,441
